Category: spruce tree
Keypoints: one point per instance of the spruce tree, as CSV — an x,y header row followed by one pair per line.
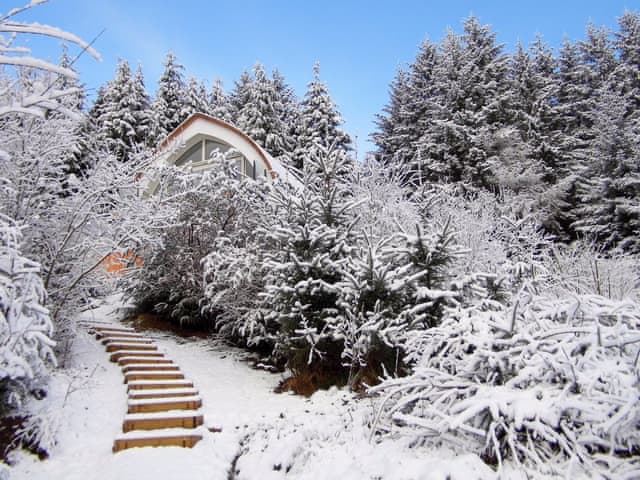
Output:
x,y
196,98
306,252
239,96
122,112
169,106
289,114
77,157
259,117
219,106
320,122
459,142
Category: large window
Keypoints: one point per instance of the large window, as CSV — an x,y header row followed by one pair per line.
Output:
x,y
193,155
211,146
199,154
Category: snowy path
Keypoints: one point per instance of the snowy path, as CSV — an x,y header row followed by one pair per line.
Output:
x,y
266,436
96,401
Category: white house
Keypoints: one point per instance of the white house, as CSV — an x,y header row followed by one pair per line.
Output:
x,y
194,140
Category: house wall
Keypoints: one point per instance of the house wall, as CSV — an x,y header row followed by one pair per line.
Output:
x,y
200,128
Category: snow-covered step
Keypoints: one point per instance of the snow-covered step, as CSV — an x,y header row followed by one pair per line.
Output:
x,y
178,437
110,340
95,323
150,368
131,360
115,356
117,346
148,405
162,393
157,384
114,329
133,375
106,335
159,420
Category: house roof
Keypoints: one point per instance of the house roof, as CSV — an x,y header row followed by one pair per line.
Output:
x,y
189,127
182,128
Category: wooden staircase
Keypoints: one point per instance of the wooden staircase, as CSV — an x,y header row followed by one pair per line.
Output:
x,y
163,408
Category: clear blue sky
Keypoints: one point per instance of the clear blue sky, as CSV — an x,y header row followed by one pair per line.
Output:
x,y
359,44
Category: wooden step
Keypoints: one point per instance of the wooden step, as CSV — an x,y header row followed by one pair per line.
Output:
x,y
158,375
162,393
160,420
158,384
128,360
150,368
118,339
159,438
114,329
149,405
115,347
95,323
105,335
135,353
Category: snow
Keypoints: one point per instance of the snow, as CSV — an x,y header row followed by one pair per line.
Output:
x,y
320,437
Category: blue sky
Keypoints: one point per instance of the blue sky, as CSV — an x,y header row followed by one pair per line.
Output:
x,y
359,44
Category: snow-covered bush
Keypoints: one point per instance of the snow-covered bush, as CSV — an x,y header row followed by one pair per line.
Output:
x,y
25,326
201,207
582,268
384,204
551,384
233,281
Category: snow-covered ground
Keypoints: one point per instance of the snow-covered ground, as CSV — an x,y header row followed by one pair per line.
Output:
x,y
264,435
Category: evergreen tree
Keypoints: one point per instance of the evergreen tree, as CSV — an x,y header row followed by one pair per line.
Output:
x,y
170,106
77,158
289,114
239,97
461,142
196,98
260,116
391,138
306,252
320,122
122,112
609,208
219,106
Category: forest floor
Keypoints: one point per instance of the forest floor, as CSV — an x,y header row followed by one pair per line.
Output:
x,y
263,435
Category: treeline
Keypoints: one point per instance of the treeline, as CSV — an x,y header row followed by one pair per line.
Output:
x,y
127,119
560,130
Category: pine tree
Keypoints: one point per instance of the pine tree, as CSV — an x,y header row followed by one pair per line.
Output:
x,y
26,329
609,209
320,122
239,97
78,158
259,116
460,141
122,113
196,98
219,106
169,106
393,144
289,114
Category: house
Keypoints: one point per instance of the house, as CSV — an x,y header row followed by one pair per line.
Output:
x,y
194,140
190,145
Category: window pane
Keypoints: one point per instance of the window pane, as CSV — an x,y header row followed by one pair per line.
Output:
x,y
211,146
194,154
